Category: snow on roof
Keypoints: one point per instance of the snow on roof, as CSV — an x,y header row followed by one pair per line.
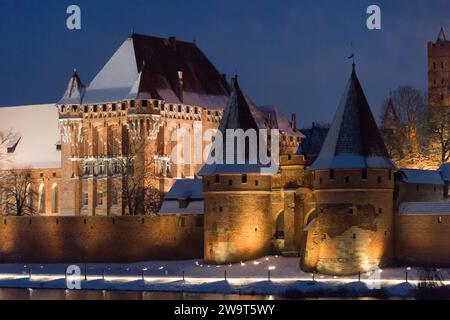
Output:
x,y
444,169
172,207
425,208
353,140
313,141
185,189
185,197
37,126
146,66
278,120
239,114
74,92
417,176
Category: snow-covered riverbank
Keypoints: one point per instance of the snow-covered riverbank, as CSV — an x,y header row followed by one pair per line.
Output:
x,y
271,275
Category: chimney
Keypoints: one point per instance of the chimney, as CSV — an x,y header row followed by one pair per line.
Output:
x,y
173,42
180,85
294,122
269,120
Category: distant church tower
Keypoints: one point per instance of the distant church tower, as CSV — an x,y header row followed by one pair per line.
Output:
x,y
353,186
439,71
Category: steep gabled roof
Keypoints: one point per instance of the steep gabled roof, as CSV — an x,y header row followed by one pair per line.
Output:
x,y
32,133
237,115
74,92
353,140
164,58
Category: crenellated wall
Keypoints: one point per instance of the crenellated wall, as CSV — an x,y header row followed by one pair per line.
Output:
x,y
240,216
100,239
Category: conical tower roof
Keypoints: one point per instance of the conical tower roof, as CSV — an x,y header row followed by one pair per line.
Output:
x,y
74,92
237,115
353,140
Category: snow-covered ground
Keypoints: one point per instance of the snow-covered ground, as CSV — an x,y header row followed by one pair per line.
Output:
x,y
272,275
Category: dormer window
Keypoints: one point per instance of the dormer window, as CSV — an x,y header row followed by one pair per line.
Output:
x,y
11,145
131,103
144,103
74,109
58,146
95,108
63,109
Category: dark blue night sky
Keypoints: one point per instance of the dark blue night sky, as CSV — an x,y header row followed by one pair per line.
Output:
x,y
289,53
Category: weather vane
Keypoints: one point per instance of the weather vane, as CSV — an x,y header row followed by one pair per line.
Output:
x,y
352,56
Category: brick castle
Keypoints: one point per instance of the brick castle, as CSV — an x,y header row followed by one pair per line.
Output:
x,y
337,201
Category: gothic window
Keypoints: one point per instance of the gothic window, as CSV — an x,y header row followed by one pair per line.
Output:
x,y
54,198
63,109
113,107
85,199
95,108
440,219
100,199
114,197
179,109
86,169
41,198
102,168
29,197
74,108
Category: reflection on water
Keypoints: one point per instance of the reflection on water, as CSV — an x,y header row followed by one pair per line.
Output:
x,y
50,294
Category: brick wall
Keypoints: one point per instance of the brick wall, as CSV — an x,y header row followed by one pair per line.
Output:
x,y
421,239
100,239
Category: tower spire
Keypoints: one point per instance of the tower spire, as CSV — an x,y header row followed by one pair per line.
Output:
x,y
441,35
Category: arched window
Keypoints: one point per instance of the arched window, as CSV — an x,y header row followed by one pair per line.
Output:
x,y
29,199
280,226
55,198
41,198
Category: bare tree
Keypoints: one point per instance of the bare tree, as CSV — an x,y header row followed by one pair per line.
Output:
x,y
439,133
136,182
404,124
16,192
